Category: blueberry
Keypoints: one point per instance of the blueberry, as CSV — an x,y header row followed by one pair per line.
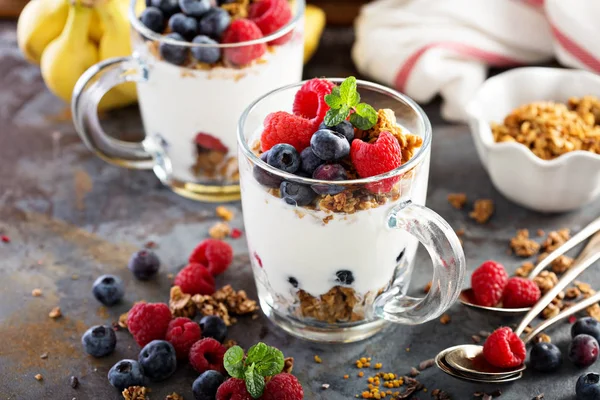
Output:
x,y
588,387
344,277
173,53
284,157
99,340
214,23
345,128
168,7
126,373
206,385
587,325
158,360
329,145
296,194
184,25
583,350
293,281
329,172
194,8
154,19
108,289
209,55
263,177
545,357
213,327
144,264
309,161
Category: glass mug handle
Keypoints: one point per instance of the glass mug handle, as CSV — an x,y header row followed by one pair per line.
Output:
x,y
449,267
89,90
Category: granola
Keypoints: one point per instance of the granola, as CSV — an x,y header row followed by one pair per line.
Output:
x,y
555,239
546,280
457,200
339,304
483,209
220,230
524,270
181,304
522,246
135,393
225,302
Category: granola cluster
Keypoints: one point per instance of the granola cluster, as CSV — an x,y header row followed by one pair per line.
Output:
x,y
136,393
215,164
224,303
339,304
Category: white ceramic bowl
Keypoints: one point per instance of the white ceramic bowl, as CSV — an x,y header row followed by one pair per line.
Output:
x,y
562,184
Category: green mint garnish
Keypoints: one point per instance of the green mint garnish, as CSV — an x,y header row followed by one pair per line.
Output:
x,y
255,383
234,362
345,98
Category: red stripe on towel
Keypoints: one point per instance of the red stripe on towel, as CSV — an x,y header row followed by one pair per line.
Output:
x,y
584,56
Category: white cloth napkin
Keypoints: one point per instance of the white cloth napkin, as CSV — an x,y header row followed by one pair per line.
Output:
x,y
429,47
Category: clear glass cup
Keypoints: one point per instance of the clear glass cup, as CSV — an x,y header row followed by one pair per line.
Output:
x,y
339,276
178,102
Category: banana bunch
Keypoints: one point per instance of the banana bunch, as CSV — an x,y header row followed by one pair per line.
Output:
x,y
65,38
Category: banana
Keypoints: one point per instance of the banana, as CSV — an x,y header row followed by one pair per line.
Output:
x,y
40,22
314,23
96,28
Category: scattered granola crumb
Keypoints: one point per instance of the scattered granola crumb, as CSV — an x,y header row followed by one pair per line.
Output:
x,y
539,397
224,302
572,293
438,394
457,200
135,393
482,210
181,304
555,239
44,356
170,276
74,382
542,337
427,287
541,233
55,313
318,359
562,264
36,292
460,232
445,319
288,365
524,270
550,311
5,239
123,320
522,246
423,365
39,377
225,213
229,343
220,230
174,396
325,386
546,280
346,376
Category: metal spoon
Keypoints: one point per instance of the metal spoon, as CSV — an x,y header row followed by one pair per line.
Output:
x,y
466,296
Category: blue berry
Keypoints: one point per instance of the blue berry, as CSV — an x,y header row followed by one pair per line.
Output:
x,y
168,7
186,26
545,357
144,264
126,373
213,327
329,145
99,340
263,177
154,19
209,55
344,277
345,128
284,157
194,8
206,385
158,360
587,325
173,53
108,289
296,194
588,387
293,281
583,350
214,23
309,161
329,172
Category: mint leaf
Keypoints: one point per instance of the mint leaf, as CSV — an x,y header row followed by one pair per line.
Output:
x,y
257,353
271,364
333,101
234,362
255,383
354,99
334,117
347,89
364,117
336,91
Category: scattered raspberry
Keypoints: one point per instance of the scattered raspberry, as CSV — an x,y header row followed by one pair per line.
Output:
x,y
214,253
5,239
310,100
504,349
270,16
520,292
376,158
283,387
233,389
236,233
182,333
283,127
488,282
243,30
209,142
195,279
148,322
207,354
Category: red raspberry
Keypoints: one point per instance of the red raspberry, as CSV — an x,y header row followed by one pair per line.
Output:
x,y
270,16
207,354
216,254
182,333
195,279
236,233
283,387
520,292
488,282
283,127
504,349
243,30
148,322
209,142
377,158
233,389
310,100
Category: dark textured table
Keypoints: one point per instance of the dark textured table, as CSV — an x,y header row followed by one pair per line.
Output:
x,y
71,217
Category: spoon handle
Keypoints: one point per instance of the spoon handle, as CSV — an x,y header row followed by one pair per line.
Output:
x,y
587,257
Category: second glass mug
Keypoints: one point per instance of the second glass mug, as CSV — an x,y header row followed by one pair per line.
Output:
x,y
190,111
339,276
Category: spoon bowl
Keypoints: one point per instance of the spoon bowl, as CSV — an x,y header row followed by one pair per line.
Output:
x,y
442,364
467,298
468,358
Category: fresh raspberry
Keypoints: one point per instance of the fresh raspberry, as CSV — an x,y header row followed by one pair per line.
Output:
x,y
376,158
182,333
233,389
236,233
283,127
195,279
270,16
310,100
283,387
488,282
209,142
243,30
504,349
148,322
520,292
216,254
207,354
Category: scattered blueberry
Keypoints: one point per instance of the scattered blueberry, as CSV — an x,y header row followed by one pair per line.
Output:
x,y
214,23
173,53
154,19
186,26
400,256
344,277
329,172
309,161
293,281
213,327
206,385
168,7
345,128
587,325
329,145
209,55
194,8
296,194
158,360
126,373
284,157
108,289
144,264
263,177
99,340
583,350
588,386
545,357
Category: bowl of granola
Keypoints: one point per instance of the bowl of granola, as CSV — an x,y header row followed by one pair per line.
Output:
x,y
537,133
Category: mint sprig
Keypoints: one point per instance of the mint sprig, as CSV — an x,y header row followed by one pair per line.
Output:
x,y
345,98
260,362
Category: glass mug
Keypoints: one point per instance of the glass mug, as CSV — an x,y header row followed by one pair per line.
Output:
x,y
339,276
189,112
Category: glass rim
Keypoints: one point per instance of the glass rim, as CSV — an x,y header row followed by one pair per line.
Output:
x,y
150,34
415,159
